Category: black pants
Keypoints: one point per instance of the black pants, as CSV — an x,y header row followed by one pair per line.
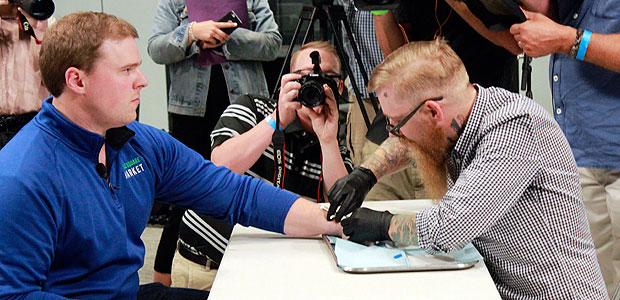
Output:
x,y
157,291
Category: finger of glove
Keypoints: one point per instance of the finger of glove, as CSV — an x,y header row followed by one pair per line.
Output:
x,y
336,203
348,227
333,208
347,206
335,196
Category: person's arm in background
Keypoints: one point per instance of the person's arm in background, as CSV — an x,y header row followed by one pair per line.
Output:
x,y
240,152
540,36
500,38
389,33
171,41
325,126
261,43
548,8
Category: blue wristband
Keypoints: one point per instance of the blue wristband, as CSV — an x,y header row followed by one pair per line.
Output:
x,y
583,45
272,123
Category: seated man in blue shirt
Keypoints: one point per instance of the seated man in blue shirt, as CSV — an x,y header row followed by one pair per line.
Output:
x,y
78,182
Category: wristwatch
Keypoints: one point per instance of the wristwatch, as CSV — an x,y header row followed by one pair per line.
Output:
x,y
575,48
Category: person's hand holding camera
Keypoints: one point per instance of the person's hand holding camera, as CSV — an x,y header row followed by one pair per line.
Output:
x,y
39,26
209,33
324,117
289,88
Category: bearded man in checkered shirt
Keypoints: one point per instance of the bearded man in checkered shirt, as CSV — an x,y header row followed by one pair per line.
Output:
x,y
500,164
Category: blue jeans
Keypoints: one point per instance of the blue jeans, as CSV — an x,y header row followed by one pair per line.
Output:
x,y
157,291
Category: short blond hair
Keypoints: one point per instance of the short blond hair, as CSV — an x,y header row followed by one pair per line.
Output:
x,y
418,66
320,45
74,41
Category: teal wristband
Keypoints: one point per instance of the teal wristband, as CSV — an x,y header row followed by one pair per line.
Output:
x,y
379,12
583,45
272,123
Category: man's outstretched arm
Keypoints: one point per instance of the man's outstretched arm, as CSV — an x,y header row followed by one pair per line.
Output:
x,y
306,218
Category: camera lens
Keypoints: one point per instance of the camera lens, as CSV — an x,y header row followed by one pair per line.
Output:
x,y
311,94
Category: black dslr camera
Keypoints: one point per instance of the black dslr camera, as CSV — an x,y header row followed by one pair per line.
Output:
x,y
311,93
38,9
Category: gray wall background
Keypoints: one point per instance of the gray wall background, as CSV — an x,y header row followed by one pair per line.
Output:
x,y
153,101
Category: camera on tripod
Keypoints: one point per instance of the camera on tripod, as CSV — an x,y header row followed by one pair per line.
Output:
x,y
38,9
311,93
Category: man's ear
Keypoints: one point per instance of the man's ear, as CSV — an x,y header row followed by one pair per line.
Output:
x,y
435,111
340,86
74,79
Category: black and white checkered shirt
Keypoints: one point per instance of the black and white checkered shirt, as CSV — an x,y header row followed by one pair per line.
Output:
x,y
513,191
363,28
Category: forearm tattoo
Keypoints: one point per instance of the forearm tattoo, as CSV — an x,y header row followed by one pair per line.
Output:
x,y
403,230
392,155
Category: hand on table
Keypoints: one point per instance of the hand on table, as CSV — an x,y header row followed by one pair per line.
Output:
x,y
367,226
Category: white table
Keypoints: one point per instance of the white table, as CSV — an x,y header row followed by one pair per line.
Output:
x,y
262,265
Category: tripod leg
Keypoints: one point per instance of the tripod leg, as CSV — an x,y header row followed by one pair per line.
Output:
x,y
310,28
307,13
358,59
339,48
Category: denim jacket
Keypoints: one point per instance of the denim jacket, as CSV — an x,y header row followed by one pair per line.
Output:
x,y
245,49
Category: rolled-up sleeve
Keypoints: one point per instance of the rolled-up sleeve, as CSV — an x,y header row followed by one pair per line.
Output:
x,y
168,44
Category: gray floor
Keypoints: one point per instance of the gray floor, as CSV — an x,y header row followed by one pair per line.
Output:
x,y
150,237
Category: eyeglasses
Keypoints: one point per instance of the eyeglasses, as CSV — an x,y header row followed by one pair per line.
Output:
x,y
395,130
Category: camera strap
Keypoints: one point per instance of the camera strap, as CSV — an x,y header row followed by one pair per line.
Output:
x,y
278,153
24,25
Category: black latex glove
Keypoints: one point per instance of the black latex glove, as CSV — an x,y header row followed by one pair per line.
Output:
x,y
367,225
349,192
